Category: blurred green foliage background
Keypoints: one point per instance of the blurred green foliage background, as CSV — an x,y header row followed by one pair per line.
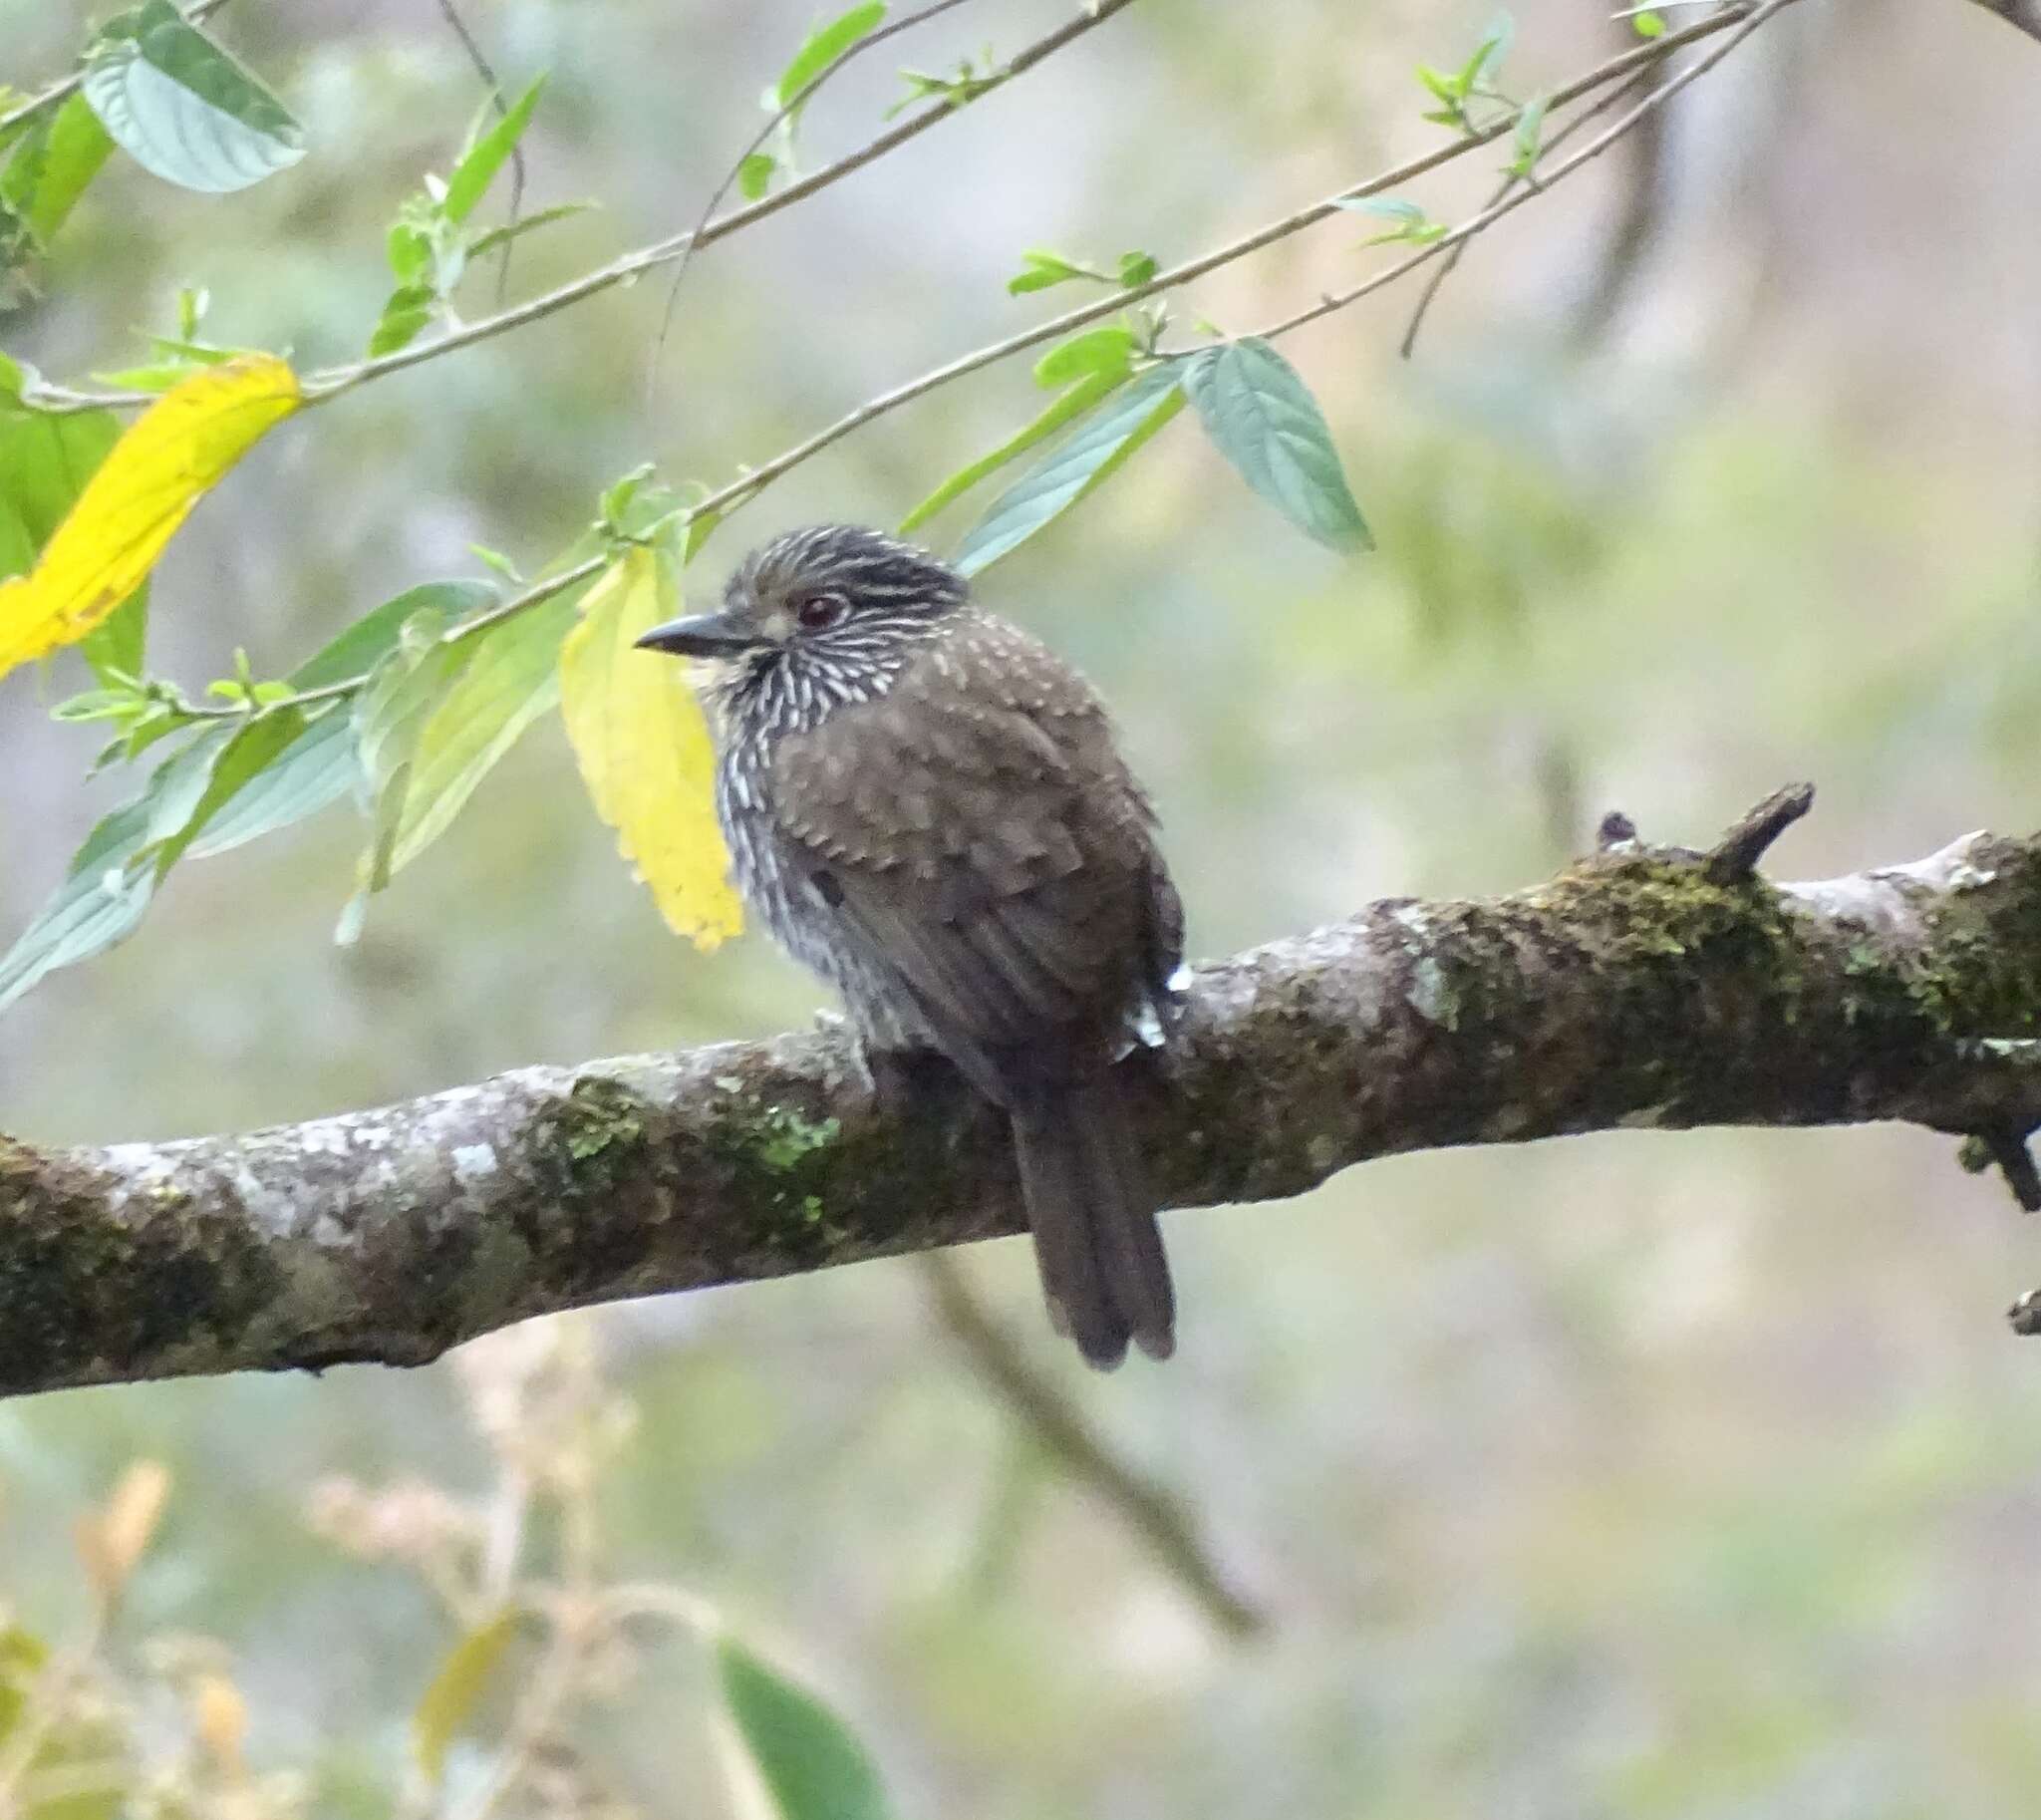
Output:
x,y
1636,1475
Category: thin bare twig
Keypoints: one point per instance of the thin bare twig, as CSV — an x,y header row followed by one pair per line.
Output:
x,y
323,385
340,379
1436,283
1615,69
788,108
1056,1423
753,480
1750,21
63,90
487,71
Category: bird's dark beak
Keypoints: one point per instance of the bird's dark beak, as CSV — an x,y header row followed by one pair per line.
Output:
x,y
701,635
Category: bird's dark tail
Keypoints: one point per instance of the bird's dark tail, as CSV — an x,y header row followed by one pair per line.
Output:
x,y
1092,1213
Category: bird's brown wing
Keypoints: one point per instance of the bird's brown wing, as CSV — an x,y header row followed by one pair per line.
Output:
x,y
980,836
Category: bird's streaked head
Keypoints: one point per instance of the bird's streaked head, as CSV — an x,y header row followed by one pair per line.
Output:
x,y
836,594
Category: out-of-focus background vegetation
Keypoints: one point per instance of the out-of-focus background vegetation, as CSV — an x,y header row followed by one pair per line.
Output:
x,y
1635,1476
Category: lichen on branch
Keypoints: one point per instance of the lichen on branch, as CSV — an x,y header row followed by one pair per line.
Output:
x,y
1644,986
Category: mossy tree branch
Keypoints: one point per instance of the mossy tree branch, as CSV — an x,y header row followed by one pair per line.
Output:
x,y
1642,987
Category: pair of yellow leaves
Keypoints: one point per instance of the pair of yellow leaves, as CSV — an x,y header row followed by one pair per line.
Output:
x,y
636,727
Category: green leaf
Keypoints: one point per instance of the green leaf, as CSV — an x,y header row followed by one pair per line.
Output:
x,y
455,1691
512,677
407,310
248,752
512,230
314,769
812,1765
1078,466
390,716
1648,25
1066,410
156,375
45,461
185,109
954,91
479,164
409,248
1412,223
1259,415
1106,350
1389,208
1529,135
754,176
1446,87
1488,54
108,886
185,778
49,172
116,646
825,46
1136,269
1040,268
364,645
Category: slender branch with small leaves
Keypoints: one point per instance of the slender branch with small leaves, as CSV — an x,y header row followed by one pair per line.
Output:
x,y
407,709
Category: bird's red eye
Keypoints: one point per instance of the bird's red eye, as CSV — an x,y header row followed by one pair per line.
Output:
x,y
815,612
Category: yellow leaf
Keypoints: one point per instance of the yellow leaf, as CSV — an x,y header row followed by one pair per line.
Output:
x,y
644,747
112,1539
151,480
463,1677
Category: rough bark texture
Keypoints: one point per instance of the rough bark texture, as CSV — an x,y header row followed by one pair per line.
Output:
x,y
1642,987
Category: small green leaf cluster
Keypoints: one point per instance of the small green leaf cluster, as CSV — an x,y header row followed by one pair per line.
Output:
x,y
820,51
431,243
1041,269
1456,90
177,354
972,77
1410,225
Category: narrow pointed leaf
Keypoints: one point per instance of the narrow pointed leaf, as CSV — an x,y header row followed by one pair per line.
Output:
x,y
1263,420
1066,410
49,172
479,164
391,715
358,649
185,109
108,886
824,46
524,224
248,752
314,768
811,1763
132,505
1078,466
456,1689
513,678
1103,350
644,749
